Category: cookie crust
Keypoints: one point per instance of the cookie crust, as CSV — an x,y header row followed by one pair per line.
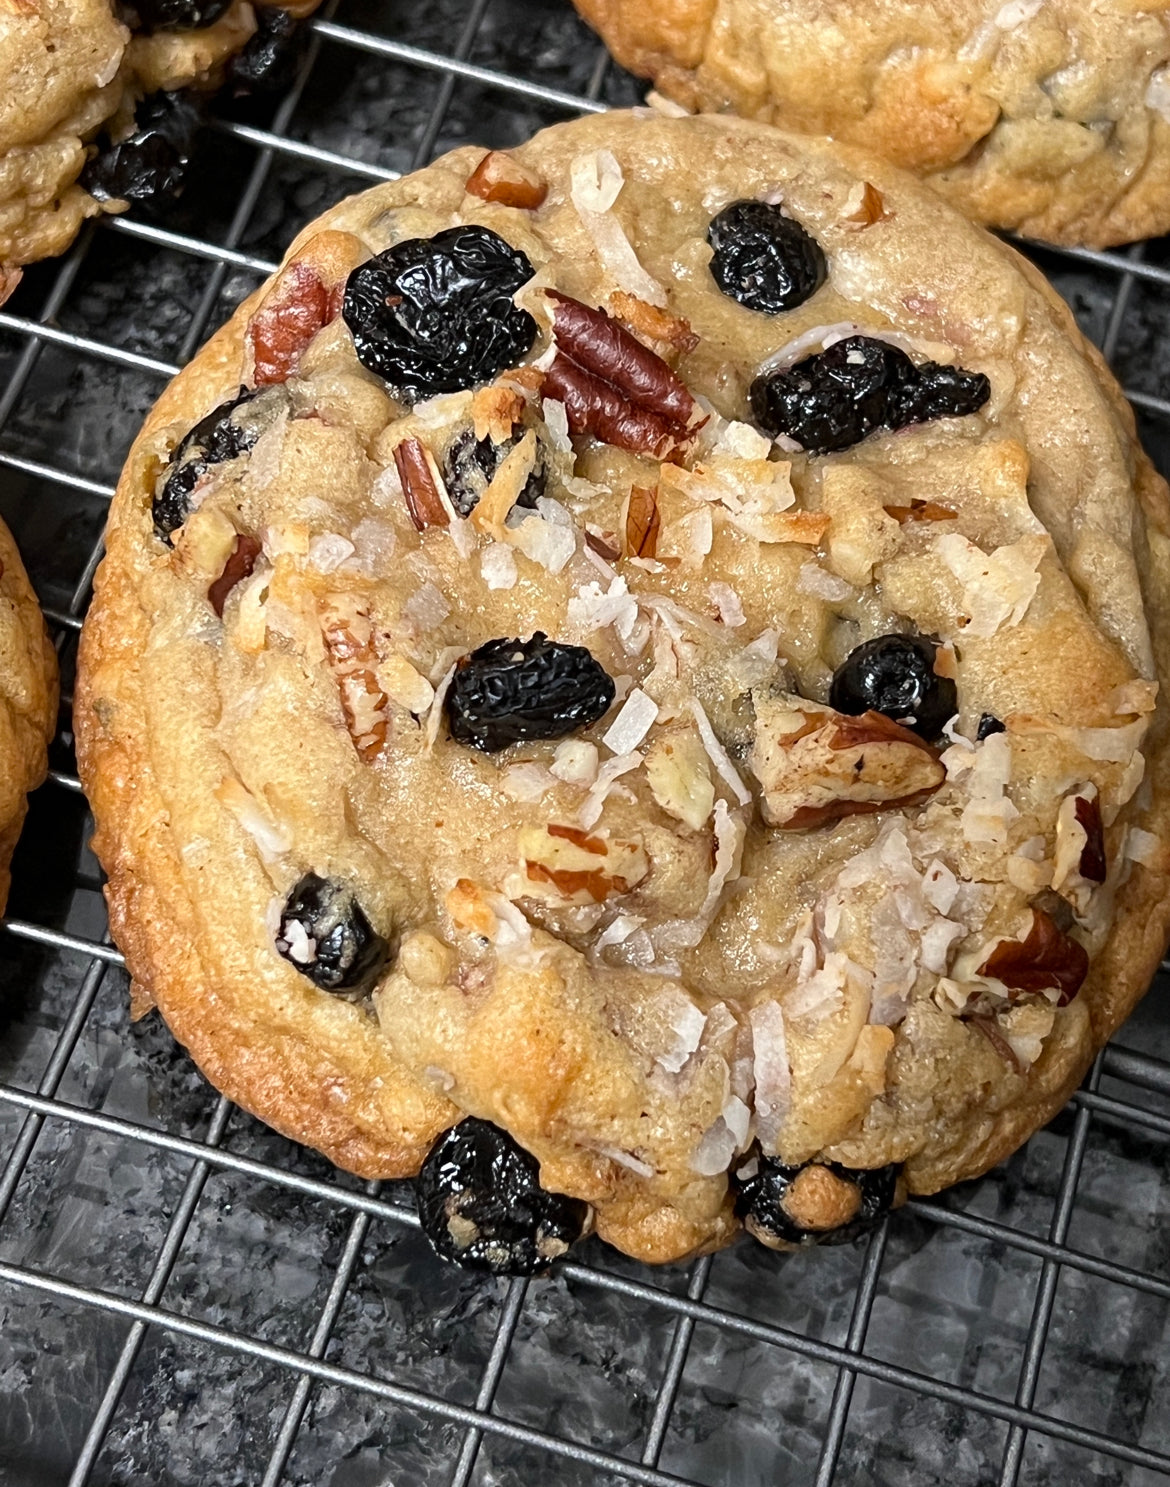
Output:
x,y
1053,120
190,890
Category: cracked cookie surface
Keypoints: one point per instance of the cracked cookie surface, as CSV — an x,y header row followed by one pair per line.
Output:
x,y
565,752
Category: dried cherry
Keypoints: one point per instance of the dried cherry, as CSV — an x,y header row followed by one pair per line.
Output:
x,y
269,61
763,259
509,691
177,15
837,397
988,724
325,934
149,165
481,1203
895,675
783,1206
214,439
434,315
470,463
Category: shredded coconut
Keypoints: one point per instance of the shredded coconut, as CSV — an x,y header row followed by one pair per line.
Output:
x,y
813,579
998,586
609,772
718,754
728,603
632,724
1143,846
772,1075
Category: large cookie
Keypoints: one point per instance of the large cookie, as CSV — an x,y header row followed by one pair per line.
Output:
x,y
696,729
28,699
73,69
1051,117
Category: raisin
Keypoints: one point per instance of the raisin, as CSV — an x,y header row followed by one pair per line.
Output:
x,y
214,439
326,936
481,1204
434,315
811,1203
837,397
764,259
177,15
895,675
509,691
149,165
470,463
269,61
988,724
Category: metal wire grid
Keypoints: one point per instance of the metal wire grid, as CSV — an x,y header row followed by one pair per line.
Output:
x,y
307,1368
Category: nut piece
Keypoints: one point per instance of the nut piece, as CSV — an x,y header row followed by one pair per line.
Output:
x,y
1045,960
658,329
305,296
577,867
816,765
920,511
420,485
500,178
866,206
241,561
349,641
643,523
679,775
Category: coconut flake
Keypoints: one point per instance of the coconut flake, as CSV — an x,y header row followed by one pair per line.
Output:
x,y
595,183
426,609
757,660
592,608
617,931
575,762
435,716
686,1021
998,586
773,1078
556,421
526,782
609,772
632,724
497,566
667,107
813,579
272,840
626,1159
1158,92
548,543
741,441
718,754
328,551
988,813
715,1151
1143,846
596,180
728,603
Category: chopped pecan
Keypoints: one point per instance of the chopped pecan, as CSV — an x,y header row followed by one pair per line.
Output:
x,y
643,523
241,561
601,544
653,325
613,387
988,1026
294,310
1045,960
580,868
867,207
419,485
1093,862
500,178
349,641
920,511
816,765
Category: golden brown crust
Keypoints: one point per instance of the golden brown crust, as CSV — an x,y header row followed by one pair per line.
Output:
x,y
535,1055
1053,121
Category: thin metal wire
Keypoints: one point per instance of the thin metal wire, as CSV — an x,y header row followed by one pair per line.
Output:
x,y
688,1310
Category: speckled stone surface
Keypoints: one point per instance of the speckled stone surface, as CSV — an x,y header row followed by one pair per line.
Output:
x,y
259,1256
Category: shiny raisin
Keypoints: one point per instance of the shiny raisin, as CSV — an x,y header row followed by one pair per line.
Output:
x,y
434,315
988,724
763,259
269,61
470,463
214,439
327,937
177,15
837,397
149,165
895,675
481,1204
811,1203
510,691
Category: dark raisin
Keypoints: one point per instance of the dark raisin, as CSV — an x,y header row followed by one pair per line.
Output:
x,y
837,397
470,463
812,1203
433,315
895,675
988,724
176,15
269,61
509,691
326,936
764,259
481,1203
214,439
149,165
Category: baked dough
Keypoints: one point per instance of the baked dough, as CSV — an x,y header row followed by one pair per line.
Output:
x,y
28,699
633,946
1048,117
68,68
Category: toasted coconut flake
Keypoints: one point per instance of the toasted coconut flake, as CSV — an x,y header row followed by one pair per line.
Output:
x,y
773,1078
632,723
999,586
988,813
686,1022
718,754
740,441
655,327
592,609
503,490
272,840
495,411
547,543
863,207
813,579
497,566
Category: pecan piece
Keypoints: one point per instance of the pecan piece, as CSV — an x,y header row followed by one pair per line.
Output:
x,y
867,207
920,511
816,765
349,641
419,485
241,561
643,523
500,178
612,386
1045,960
579,868
1093,862
653,326
305,296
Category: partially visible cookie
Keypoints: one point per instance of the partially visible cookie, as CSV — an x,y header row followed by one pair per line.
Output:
x,y
71,70
1048,117
28,699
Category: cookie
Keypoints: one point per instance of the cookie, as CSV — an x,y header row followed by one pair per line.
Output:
x,y
72,73
1048,117
28,699
651,640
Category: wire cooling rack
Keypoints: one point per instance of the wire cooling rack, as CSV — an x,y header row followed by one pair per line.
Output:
x,y
186,1298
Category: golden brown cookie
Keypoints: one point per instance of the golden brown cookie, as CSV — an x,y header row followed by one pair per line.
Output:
x,y
1049,117
666,660
70,69
28,699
